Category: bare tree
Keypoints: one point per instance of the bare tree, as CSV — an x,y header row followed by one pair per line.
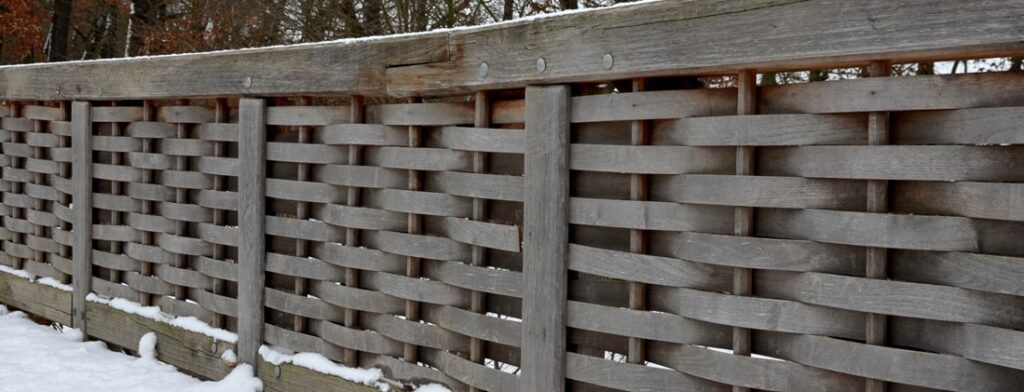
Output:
x,y
373,23
143,17
507,12
59,30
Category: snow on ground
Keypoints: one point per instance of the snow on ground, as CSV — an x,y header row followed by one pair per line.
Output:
x,y
41,359
24,334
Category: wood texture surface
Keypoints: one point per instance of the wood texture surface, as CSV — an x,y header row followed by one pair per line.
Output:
x,y
680,233
81,131
643,41
573,46
252,237
545,252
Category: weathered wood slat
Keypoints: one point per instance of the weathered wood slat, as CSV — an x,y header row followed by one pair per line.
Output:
x,y
872,229
757,313
762,130
252,245
1000,125
546,231
751,372
759,191
937,371
991,273
920,163
82,175
894,298
632,377
1002,201
653,105
650,269
896,94
650,159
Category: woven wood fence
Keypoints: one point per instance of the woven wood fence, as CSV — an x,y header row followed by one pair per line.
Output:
x,y
647,234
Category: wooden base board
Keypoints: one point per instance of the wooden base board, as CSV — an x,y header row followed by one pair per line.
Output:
x,y
190,352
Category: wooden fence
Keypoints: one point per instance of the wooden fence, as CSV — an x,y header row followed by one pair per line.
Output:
x,y
557,204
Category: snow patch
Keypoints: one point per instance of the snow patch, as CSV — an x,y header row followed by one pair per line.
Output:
x,y
147,347
16,272
432,388
228,356
40,359
48,281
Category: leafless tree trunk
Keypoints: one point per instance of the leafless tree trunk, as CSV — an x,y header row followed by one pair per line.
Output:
x,y
59,30
142,19
926,68
372,17
569,4
507,12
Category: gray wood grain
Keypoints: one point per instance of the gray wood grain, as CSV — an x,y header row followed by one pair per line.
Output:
x,y
251,222
546,231
81,144
271,71
644,40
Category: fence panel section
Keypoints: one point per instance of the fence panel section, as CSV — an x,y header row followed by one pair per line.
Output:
x,y
36,188
164,206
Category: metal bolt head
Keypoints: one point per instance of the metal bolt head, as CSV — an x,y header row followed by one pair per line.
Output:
x,y
483,69
541,65
608,61
247,82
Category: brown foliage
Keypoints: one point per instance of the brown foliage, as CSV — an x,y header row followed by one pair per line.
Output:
x,y
20,30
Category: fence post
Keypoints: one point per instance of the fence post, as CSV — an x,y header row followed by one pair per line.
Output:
x,y
81,196
252,148
546,238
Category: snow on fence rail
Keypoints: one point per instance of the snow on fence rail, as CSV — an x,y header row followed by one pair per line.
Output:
x,y
639,235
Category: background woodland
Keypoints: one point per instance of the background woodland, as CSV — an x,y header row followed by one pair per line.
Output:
x,y
58,30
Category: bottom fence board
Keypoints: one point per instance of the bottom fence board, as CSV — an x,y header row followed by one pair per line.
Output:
x,y
48,302
191,352
289,377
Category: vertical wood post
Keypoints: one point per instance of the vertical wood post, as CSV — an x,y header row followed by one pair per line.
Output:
x,y
413,265
743,278
640,134
252,151
478,299
876,259
353,197
81,196
546,238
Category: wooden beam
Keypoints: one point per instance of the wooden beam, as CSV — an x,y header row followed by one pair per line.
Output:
x,y
48,302
322,68
252,152
81,194
642,40
713,37
546,238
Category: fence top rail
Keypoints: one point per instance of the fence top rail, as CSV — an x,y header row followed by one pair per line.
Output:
x,y
659,38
